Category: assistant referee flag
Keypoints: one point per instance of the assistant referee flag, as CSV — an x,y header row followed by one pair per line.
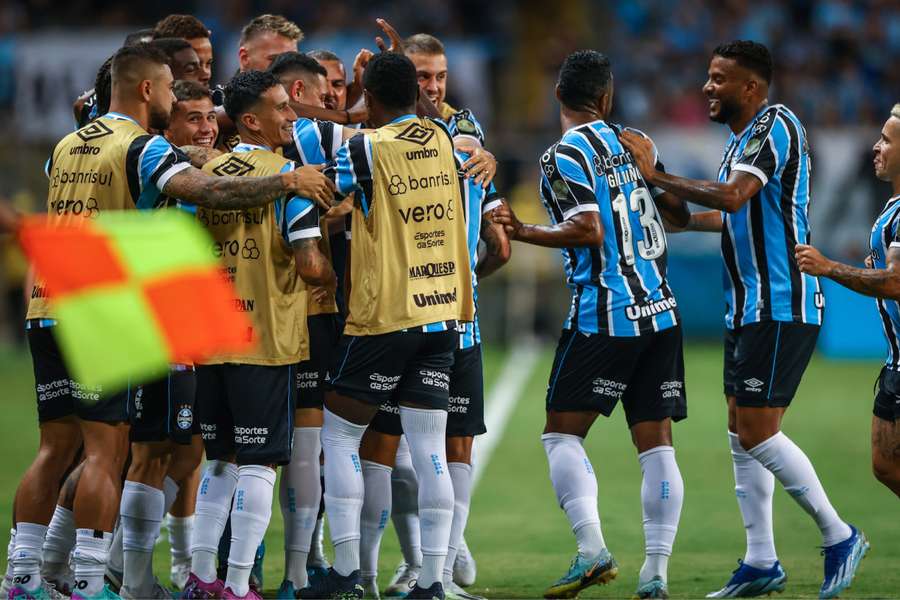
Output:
x,y
134,292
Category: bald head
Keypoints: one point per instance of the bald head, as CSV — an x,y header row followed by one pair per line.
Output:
x,y
141,76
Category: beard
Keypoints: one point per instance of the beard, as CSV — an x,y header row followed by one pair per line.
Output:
x,y
728,108
159,118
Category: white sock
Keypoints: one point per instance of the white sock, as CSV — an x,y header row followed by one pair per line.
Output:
x,y
793,469
316,547
180,537
59,541
343,488
300,492
405,506
213,505
250,518
27,555
10,549
89,559
116,560
754,486
426,432
376,509
141,511
575,484
662,494
461,475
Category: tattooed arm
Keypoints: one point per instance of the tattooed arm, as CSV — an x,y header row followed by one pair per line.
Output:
x,y
200,155
312,266
878,283
235,193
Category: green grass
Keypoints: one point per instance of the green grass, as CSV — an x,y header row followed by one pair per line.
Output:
x,y
520,537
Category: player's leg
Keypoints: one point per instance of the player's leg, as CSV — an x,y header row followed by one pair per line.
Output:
x,y
405,516
588,378
377,452
760,407
261,401
61,535
655,397
465,420
60,440
184,469
886,431
217,482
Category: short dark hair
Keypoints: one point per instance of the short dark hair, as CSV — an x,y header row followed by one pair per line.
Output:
x,y
275,24
129,58
750,55
136,37
293,62
244,90
188,27
171,46
190,90
583,77
323,55
423,43
103,87
391,78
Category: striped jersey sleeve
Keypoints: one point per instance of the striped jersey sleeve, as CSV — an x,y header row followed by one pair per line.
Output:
x,y
149,164
570,180
298,218
351,170
464,124
314,142
764,152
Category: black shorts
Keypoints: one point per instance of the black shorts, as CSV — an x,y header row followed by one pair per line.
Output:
x,y
248,411
164,409
466,399
59,396
887,400
765,361
324,334
594,372
381,369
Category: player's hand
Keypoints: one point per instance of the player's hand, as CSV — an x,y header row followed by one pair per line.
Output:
x,y
393,36
870,262
359,65
641,150
811,261
482,165
320,294
504,215
340,210
309,182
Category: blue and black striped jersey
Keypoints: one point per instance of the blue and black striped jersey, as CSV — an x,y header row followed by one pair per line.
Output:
x,y
618,288
315,142
761,277
886,235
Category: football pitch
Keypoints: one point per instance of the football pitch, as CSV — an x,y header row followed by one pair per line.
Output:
x,y
521,539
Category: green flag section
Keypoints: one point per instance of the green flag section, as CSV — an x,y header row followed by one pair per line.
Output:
x,y
134,292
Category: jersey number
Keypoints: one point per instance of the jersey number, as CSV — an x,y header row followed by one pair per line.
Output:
x,y
654,243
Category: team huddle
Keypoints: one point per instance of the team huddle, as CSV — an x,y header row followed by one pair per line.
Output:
x,y
354,220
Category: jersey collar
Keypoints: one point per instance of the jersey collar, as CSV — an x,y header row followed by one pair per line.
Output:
x,y
764,108
119,117
402,118
247,147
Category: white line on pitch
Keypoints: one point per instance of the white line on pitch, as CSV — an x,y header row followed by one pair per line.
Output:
x,y
504,394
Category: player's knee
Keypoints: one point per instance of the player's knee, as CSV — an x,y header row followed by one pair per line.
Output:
x,y
459,449
885,470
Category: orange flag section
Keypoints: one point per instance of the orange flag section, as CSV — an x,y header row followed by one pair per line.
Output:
x,y
132,293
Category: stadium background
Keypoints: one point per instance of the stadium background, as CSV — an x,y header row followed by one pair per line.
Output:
x,y
833,64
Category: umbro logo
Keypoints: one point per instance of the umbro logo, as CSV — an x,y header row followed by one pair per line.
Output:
x,y
754,385
233,167
93,131
416,134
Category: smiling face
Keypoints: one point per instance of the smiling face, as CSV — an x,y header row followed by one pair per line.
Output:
x,y
193,123
271,118
336,87
887,151
726,89
203,47
431,71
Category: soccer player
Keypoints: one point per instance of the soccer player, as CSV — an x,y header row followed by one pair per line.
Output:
x,y
245,401
193,30
881,280
400,334
264,38
622,340
313,142
773,310
336,77
112,164
193,120
183,59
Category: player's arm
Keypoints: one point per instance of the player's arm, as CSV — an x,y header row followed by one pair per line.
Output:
x,y
729,196
582,229
878,283
707,220
497,246
200,155
312,266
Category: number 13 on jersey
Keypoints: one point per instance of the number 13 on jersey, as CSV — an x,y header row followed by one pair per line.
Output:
x,y
653,244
